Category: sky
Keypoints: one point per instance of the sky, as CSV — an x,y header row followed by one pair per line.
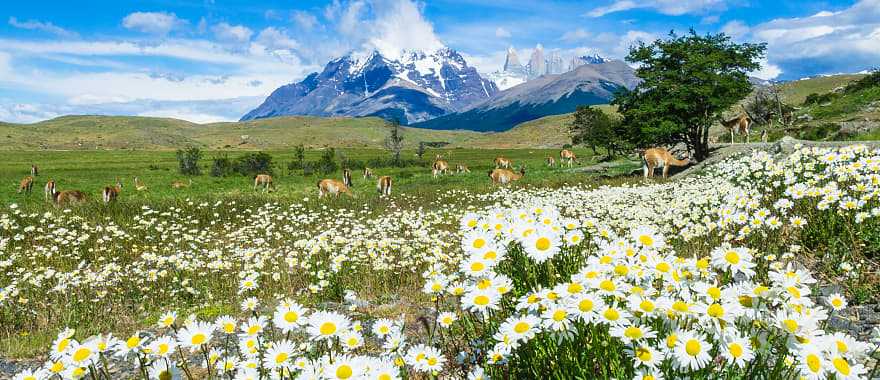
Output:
x,y
214,60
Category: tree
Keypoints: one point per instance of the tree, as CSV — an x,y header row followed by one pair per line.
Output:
x,y
687,82
394,141
765,106
188,160
596,129
422,149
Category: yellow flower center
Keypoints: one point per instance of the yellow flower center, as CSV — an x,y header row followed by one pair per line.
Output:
x,y
384,376
133,342
611,314
291,316
575,288
607,285
481,300
477,266
692,347
479,243
671,340
62,345
663,267
715,311
542,244
732,257
521,327
81,354
841,365
633,332
813,363
735,350
281,357
559,315
328,328
791,325
643,354
714,292
646,240
621,270
198,339
586,305
837,302
343,372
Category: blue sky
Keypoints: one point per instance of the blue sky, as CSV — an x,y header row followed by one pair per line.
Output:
x,y
213,60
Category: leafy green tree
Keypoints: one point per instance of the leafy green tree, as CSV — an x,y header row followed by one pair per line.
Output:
x,y
394,141
188,160
687,82
596,129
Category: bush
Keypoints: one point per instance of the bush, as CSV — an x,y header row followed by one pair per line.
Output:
x,y
871,80
188,159
222,167
817,99
386,162
254,163
820,132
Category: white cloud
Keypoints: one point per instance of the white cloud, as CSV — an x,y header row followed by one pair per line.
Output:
x,y
631,38
767,71
826,42
575,35
47,27
274,38
735,29
502,33
159,23
304,19
709,20
399,26
668,7
237,34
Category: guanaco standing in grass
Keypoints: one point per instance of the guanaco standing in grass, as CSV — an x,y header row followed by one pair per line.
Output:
x,y
265,181
110,193
368,173
439,166
505,176
568,157
739,124
551,162
384,185
181,184
346,177
503,163
68,197
660,158
49,190
462,169
26,184
332,187
35,171
138,185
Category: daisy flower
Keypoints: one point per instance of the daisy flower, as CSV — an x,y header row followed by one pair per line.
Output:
x,y
195,335
836,302
326,325
288,316
691,351
279,354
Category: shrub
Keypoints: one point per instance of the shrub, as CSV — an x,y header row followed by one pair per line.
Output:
x,y
188,159
871,80
222,167
253,164
820,132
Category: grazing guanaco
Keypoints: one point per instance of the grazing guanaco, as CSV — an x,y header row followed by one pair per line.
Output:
x,y
660,158
49,190
384,185
739,124
332,187
110,193
551,162
181,184
346,177
265,181
138,185
439,167
568,157
505,176
503,163
68,197
26,184
368,173
462,169
35,171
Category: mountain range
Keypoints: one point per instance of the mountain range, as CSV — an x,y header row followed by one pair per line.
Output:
x,y
416,86
552,94
439,90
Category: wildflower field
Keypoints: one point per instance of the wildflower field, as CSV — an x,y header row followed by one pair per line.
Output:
x,y
737,272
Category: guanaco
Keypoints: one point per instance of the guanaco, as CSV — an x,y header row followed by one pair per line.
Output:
x,y
346,177
764,136
110,193
503,163
26,184
49,190
384,185
138,185
551,162
439,167
505,176
739,124
68,197
568,157
660,158
368,173
265,181
181,184
462,169
332,187
35,171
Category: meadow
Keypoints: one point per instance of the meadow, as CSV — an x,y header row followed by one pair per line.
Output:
x,y
722,274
